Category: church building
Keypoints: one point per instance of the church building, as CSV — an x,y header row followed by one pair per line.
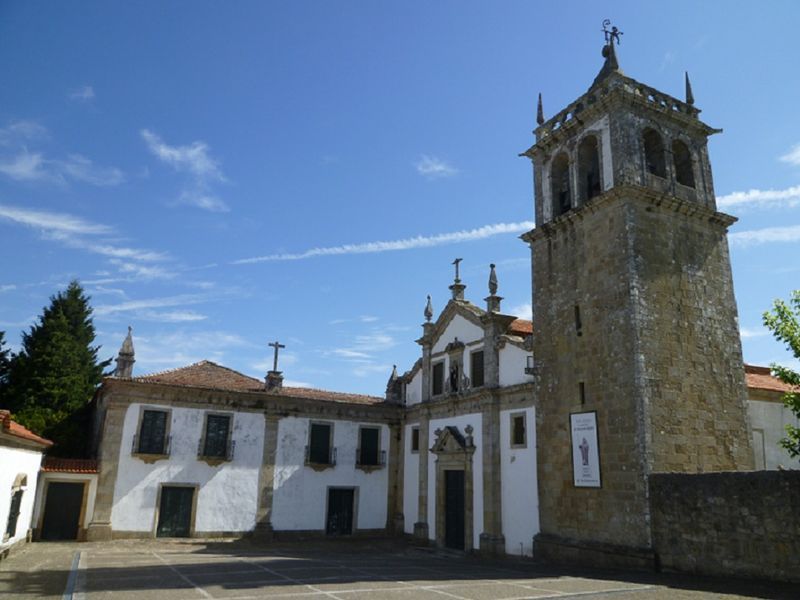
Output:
x,y
506,436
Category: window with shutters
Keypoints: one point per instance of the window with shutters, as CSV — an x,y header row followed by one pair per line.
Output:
x,y
415,439
518,431
320,451
476,368
437,381
216,442
369,453
153,436
13,514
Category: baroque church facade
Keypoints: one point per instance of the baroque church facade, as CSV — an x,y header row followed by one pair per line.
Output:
x,y
506,436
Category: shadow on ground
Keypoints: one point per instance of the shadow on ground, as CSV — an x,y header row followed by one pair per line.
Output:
x,y
248,566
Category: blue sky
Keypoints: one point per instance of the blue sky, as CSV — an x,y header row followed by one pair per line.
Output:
x,y
153,150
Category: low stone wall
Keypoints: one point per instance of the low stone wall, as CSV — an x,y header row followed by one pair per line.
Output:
x,y
745,524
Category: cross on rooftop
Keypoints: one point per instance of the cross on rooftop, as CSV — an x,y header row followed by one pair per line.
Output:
x,y
455,262
277,345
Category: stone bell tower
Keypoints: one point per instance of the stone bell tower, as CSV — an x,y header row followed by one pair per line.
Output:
x,y
638,362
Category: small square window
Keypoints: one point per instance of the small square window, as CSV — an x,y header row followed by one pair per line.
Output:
x,y
518,431
415,439
319,450
476,368
216,443
152,438
437,383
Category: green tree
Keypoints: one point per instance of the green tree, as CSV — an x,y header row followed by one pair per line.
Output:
x,y
5,361
784,322
52,379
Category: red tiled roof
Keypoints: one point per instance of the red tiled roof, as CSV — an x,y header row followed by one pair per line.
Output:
x,y
207,374
521,327
761,378
13,428
54,464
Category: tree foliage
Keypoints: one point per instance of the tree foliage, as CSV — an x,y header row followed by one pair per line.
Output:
x,y
52,379
784,322
5,361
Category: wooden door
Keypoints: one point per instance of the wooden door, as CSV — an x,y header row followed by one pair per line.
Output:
x,y
175,511
62,510
340,512
454,509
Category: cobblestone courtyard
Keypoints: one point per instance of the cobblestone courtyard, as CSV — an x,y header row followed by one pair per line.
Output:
x,y
349,570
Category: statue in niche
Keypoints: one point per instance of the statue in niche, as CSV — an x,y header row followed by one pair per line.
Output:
x,y
453,378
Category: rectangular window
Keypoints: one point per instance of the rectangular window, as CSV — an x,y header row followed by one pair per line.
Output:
x,y
518,433
153,432
13,514
437,385
216,441
476,368
369,446
319,444
415,439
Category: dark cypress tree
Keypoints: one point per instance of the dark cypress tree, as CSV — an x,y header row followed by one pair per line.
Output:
x,y
53,378
5,362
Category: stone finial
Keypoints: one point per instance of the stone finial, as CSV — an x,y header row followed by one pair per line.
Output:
x,y
125,358
493,300
428,310
689,94
394,387
540,111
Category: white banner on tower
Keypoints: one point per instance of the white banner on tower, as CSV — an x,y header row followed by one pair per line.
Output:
x,y
585,449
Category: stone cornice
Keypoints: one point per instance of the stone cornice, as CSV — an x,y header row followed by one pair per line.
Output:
x,y
663,201
477,401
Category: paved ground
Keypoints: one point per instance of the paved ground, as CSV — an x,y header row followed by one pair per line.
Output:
x,y
351,570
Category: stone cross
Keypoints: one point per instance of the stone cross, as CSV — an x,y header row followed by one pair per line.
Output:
x,y
455,262
277,345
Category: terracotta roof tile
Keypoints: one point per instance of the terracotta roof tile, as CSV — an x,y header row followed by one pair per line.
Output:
x,y
207,374
13,428
521,327
761,378
53,464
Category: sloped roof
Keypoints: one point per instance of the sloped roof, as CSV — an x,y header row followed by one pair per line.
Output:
x,y
761,378
10,427
53,464
521,327
207,374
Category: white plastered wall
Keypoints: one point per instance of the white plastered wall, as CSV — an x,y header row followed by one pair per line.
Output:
x,y
520,495
410,481
414,389
768,421
461,422
227,493
460,328
513,361
14,461
300,492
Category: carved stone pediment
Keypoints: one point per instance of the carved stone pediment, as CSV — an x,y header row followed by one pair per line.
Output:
x,y
450,440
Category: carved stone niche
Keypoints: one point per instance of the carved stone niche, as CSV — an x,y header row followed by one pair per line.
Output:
x,y
454,452
455,380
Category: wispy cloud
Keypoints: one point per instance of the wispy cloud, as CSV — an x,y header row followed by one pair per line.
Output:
x,y
159,351
793,156
142,271
85,93
767,235
7,287
467,235
787,197
51,221
433,168
523,311
174,316
196,161
752,332
150,303
23,164
76,232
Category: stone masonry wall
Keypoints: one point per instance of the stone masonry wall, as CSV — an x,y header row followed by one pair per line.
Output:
x,y
584,261
741,524
692,380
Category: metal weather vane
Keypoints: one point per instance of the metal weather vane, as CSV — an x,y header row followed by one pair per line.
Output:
x,y
611,34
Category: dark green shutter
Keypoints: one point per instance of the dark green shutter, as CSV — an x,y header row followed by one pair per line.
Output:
x,y
153,432
217,430
370,442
